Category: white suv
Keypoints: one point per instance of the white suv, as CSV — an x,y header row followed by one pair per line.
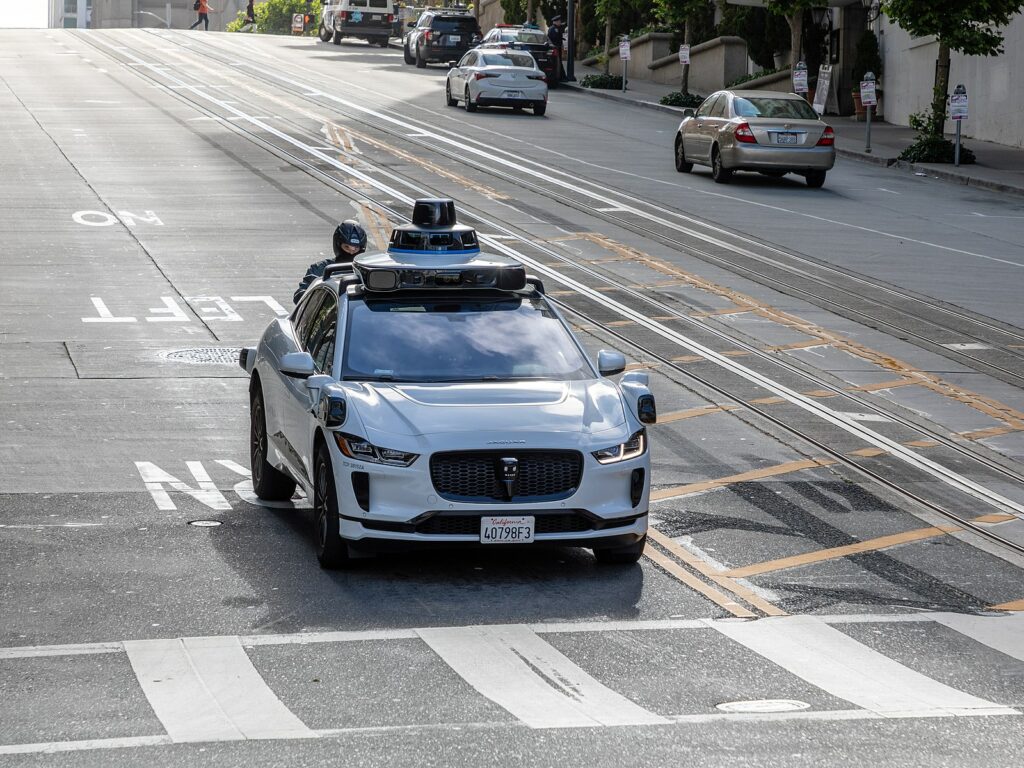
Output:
x,y
432,395
369,20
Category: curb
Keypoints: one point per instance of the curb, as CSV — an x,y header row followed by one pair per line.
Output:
x,y
612,96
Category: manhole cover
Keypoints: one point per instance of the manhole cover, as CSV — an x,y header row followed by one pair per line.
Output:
x,y
764,705
204,355
204,523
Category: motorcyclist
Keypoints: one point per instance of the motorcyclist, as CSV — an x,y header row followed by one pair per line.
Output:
x,y
349,241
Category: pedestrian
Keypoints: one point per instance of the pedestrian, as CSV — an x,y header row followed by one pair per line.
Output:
x,y
204,10
556,36
250,18
348,242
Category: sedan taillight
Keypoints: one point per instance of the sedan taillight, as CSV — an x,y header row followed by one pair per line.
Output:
x,y
744,134
391,18
343,15
537,77
828,137
482,75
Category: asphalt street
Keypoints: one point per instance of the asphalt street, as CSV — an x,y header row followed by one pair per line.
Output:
x,y
834,573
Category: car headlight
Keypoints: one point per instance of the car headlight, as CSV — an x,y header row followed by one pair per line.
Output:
x,y
361,449
630,449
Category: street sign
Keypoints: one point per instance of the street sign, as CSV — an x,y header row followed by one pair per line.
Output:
x,y
958,104
684,54
298,24
624,50
800,81
867,93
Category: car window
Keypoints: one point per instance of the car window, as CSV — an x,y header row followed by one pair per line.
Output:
x,y
378,3
437,339
322,334
508,60
307,311
768,106
721,106
705,108
532,38
468,60
425,20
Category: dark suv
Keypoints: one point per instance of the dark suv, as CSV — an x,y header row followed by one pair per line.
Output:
x,y
527,38
440,35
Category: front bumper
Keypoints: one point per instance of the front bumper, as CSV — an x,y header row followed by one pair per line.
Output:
x,y
758,157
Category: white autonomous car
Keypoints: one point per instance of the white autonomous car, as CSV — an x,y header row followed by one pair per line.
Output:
x,y
432,395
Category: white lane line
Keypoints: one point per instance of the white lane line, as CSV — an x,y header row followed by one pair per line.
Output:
x,y
515,669
823,656
206,689
83,649
50,747
1003,633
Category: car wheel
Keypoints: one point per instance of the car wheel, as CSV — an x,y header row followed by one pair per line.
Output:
x,y
407,55
470,106
331,549
621,555
448,95
815,179
719,172
681,165
421,63
540,108
269,483
382,42
337,38
325,33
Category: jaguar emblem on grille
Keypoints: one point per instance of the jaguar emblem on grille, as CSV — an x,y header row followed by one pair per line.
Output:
x,y
508,474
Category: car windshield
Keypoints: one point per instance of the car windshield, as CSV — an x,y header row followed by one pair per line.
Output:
x,y
767,106
508,60
459,339
463,26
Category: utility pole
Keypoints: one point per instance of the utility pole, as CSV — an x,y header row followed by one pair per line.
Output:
x,y
570,56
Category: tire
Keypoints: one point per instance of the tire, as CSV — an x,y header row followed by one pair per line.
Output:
x,y
448,95
337,38
421,63
406,55
325,34
621,555
470,106
331,549
815,179
382,42
269,483
681,165
719,172
540,108
553,84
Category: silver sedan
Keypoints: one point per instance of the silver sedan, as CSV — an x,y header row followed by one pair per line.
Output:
x,y
495,77
764,131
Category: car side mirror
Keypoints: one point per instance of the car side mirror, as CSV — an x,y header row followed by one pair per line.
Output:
x,y
689,112
297,365
411,25
610,362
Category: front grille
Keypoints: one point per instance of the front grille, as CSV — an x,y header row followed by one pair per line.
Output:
x,y
469,525
474,476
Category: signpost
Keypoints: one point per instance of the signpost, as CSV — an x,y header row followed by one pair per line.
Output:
x,y
958,113
823,88
624,58
869,99
800,77
298,23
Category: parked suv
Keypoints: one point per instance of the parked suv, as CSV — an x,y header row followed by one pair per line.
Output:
x,y
440,35
368,20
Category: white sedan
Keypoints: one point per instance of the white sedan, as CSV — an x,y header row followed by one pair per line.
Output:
x,y
496,77
436,397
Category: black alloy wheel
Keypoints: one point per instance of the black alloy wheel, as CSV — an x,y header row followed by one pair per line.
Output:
x,y
331,549
681,165
269,483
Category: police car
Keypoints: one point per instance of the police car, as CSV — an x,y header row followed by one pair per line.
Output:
x,y
432,395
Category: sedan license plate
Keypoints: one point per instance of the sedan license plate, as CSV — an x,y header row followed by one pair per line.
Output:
x,y
454,38
506,530
512,95
785,138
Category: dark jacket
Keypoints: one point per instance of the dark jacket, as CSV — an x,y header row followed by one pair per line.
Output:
x,y
555,36
312,273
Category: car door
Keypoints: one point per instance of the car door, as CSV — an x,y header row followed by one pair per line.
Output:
x,y
462,72
717,120
696,139
315,329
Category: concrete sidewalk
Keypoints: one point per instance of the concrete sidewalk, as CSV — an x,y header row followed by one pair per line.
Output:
x,y
997,167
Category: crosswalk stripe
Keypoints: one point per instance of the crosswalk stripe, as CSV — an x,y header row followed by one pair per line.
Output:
x,y
834,662
514,668
1003,633
206,689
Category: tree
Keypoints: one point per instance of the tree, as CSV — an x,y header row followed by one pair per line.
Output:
x,y
793,11
967,26
681,13
607,10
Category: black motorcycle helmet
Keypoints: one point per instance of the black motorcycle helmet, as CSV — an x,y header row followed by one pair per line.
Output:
x,y
348,233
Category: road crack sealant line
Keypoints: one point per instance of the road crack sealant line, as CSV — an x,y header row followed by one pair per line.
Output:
x,y
912,458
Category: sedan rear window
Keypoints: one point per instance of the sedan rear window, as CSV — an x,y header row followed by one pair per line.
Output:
x,y
767,106
531,38
509,60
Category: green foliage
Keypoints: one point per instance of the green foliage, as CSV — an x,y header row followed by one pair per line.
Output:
x,y
929,148
790,7
968,26
866,58
754,76
237,24
674,13
764,32
274,17
678,99
605,82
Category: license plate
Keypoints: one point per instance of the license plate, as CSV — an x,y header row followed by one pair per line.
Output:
x,y
506,530
785,138
513,94
375,17
454,38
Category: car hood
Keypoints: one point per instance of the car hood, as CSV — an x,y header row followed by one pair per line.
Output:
x,y
583,407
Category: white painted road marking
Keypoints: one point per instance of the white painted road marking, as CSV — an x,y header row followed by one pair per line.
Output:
x,y
809,648
1004,633
515,669
206,689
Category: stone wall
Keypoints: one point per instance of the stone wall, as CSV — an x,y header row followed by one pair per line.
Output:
x,y
713,64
